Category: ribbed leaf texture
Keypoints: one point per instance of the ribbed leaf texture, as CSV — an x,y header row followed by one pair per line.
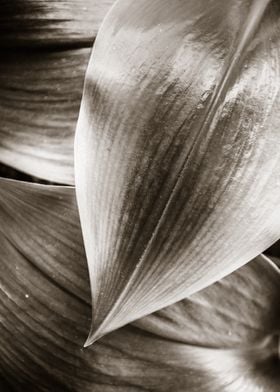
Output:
x,y
39,23
224,338
45,47
177,150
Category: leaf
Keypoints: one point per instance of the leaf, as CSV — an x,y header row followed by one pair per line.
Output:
x,y
39,106
35,217
197,368
177,159
45,309
236,311
36,23
41,84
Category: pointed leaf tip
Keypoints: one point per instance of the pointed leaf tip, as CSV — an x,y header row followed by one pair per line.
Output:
x,y
176,154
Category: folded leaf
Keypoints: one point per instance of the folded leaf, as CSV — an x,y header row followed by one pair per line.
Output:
x,y
39,105
177,158
43,23
44,315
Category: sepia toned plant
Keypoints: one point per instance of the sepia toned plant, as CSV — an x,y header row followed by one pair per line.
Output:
x,y
149,229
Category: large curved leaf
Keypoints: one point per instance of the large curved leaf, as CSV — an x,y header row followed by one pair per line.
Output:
x,y
177,158
44,315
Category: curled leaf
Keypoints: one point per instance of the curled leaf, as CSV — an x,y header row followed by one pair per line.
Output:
x,y
177,158
45,310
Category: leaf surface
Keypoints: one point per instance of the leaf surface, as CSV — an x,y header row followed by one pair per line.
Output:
x,y
39,105
45,51
45,314
177,158
36,23
236,311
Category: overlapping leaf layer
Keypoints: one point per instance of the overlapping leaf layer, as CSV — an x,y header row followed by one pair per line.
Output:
x,y
209,342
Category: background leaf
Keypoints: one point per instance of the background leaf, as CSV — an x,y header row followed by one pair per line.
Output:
x,y
234,312
45,47
45,310
36,23
39,105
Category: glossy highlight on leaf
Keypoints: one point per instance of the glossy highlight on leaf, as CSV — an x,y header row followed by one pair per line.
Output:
x,y
45,311
176,155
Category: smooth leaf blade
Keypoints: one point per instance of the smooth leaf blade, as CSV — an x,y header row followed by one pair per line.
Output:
x,y
177,165
45,309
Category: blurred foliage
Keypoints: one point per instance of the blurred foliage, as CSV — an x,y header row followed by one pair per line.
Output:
x,y
9,172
